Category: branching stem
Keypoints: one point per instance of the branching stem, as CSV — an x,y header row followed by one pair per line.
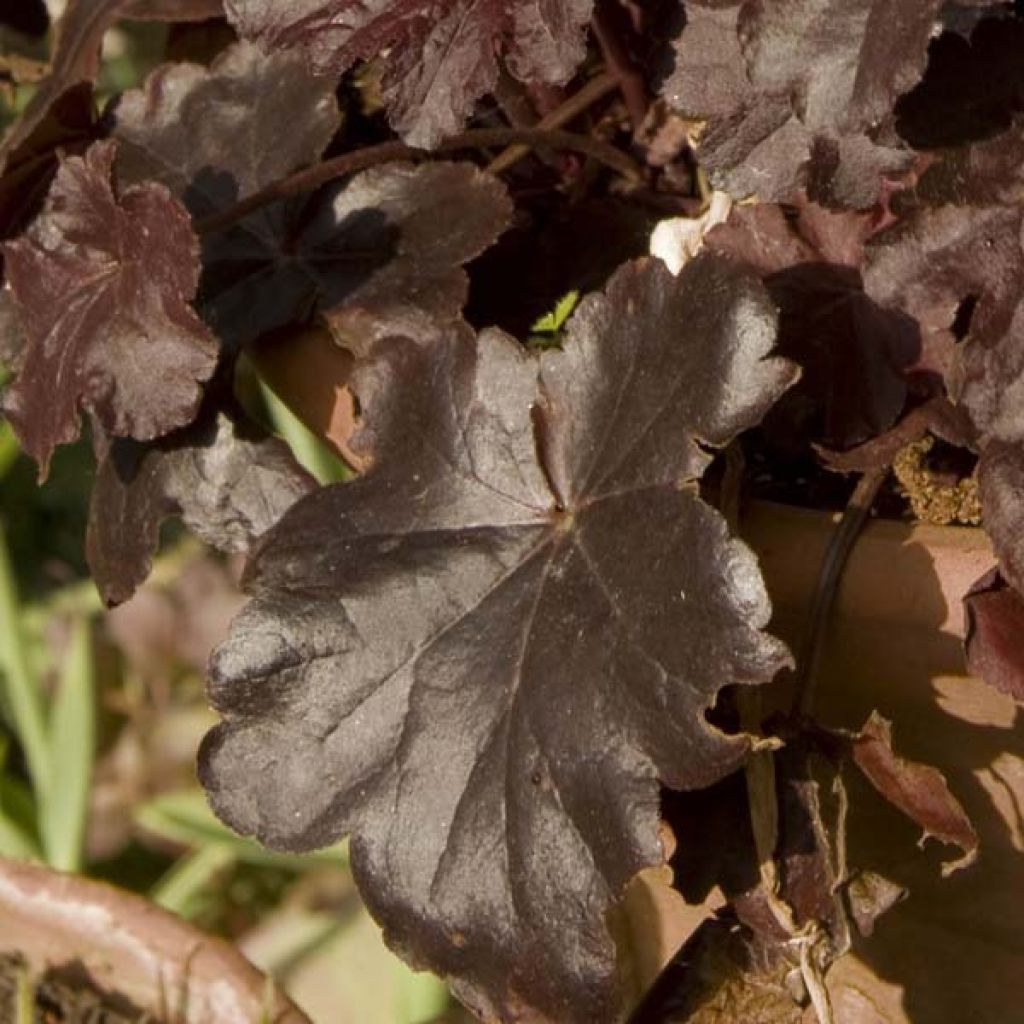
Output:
x,y
359,160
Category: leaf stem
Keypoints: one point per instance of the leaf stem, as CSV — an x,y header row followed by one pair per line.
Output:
x,y
596,89
610,23
359,160
836,556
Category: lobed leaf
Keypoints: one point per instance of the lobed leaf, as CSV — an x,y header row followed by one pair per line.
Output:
x,y
854,353
796,93
102,283
383,252
439,57
480,657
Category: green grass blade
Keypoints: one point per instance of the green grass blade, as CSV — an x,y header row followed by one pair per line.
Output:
x,y
65,811
9,448
181,889
21,686
311,453
185,817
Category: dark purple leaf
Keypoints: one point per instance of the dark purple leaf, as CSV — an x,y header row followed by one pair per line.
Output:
x,y
383,252
439,58
796,92
1001,488
102,283
227,483
971,89
74,65
480,657
853,352
940,262
989,172
918,790
995,625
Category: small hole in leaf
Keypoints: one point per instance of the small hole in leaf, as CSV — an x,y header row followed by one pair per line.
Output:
x,y
964,314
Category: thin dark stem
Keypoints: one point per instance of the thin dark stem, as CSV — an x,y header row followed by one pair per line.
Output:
x,y
840,546
611,22
359,160
596,89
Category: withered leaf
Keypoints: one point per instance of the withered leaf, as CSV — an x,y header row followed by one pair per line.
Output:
x,y
853,352
796,92
383,251
480,657
918,790
439,58
228,483
995,624
102,283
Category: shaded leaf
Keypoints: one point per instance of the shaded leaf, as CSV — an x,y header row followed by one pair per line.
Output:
x,y
853,352
380,253
439,58
918,790
971,89
228,483
941,261
1001,487
59,114
480,656
995,624
102,283
795,92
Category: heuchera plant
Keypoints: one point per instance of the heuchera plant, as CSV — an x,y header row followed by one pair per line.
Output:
x,y
497,657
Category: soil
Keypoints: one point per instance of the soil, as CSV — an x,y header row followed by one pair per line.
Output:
x,y
63,995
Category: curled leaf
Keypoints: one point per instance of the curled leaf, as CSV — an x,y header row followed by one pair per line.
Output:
x,y
918,790
480,657
995,624
439,59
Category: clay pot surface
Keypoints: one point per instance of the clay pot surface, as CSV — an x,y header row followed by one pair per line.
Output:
x,y
160,963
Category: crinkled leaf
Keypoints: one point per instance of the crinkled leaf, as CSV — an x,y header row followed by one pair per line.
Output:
x,y
480,657
918,790
795,91
384,249
213,135
102,283
995,624
939,263
439,58
227,483
853,352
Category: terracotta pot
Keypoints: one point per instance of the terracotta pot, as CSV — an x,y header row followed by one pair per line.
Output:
x,y
954,950
164,966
